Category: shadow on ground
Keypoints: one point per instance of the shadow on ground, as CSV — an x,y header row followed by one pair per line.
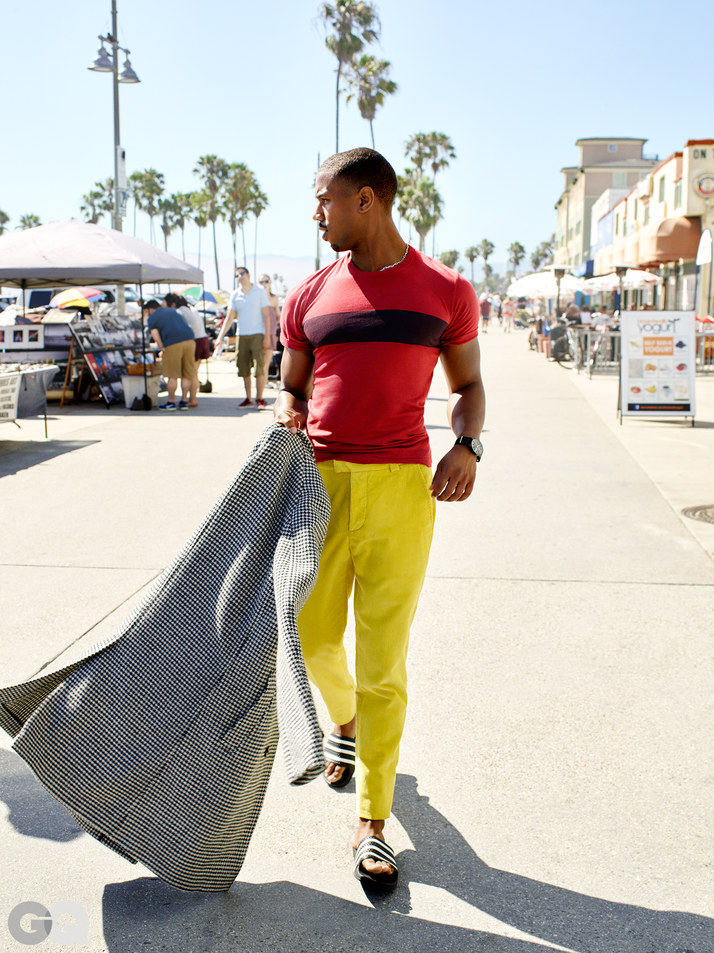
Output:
x,y
32,810
21,455
255,918
146,913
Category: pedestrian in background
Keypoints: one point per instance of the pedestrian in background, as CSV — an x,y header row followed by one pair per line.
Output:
x,y
175,339
202,345
249,306
274,308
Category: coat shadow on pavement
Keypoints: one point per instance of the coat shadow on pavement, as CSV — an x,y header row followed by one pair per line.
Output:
x,y
32,811
21,455
257,918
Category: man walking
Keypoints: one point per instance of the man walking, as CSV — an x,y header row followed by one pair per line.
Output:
x,y
362,337
250,306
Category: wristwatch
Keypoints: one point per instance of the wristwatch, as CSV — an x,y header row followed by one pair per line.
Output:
x,y
474,445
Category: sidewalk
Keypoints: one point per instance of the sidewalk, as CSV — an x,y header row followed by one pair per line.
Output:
x,y
553,776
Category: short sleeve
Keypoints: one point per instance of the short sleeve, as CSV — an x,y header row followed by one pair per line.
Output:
x,y
264,301
233,303
463,325
292,334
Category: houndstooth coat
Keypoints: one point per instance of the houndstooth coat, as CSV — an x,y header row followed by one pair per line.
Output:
x,y
160,740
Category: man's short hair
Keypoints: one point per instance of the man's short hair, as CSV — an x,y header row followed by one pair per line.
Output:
x,y
152,304
360,167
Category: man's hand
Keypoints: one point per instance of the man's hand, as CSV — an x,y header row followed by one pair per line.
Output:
x,y
292,419
455,476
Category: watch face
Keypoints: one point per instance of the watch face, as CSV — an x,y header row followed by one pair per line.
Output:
x,y
474,445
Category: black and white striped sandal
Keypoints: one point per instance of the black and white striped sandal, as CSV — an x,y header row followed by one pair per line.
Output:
x,y
340,751
372,848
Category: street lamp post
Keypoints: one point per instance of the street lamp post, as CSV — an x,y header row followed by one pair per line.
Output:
x,y
110,64
559,274
621,271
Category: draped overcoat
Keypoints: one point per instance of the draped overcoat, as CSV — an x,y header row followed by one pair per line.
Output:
x,y
161,739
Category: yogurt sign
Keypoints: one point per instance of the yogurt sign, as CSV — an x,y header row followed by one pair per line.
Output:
x,y
657,373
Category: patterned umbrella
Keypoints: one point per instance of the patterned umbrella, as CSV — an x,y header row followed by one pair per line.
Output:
x,y
76,298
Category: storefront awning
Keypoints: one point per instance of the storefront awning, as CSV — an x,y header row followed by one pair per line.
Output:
x,y
670,240
586,270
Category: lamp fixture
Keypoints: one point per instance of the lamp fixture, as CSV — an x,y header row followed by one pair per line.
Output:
x,y
103,62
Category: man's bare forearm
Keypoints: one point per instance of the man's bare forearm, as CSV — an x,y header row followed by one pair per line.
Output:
x,y
466,410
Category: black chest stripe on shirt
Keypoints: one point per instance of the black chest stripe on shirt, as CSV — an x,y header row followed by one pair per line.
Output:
x,y
397,327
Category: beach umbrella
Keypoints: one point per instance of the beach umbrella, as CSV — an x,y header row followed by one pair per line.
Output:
x,y
76,298
543,284
633,278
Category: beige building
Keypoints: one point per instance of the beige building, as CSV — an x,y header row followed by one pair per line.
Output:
x,y
658,224
612,165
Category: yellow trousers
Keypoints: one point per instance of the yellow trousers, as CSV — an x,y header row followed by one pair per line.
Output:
x,y
378,542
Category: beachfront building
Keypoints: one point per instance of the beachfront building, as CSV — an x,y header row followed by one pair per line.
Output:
x,y
657,226
608,167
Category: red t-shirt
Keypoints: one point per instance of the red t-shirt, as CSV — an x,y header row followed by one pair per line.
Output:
x,y
375,337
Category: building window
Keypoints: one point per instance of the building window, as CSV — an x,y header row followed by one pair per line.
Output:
x,y
646,216
619,180
678,195
577,227
636,207
617,224
661,189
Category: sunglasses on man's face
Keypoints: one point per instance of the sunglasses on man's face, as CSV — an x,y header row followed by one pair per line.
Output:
x,y
241,274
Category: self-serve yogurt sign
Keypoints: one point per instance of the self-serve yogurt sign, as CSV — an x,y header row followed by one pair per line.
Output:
x,y
657,377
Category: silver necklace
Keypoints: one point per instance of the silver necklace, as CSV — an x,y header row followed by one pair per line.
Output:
x,y
386,267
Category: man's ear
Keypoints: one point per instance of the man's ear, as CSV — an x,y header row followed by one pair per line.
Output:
x,y
367,198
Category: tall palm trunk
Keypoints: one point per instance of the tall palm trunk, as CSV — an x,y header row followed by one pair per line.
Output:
x,y
337,107
255,249
371,132
215,253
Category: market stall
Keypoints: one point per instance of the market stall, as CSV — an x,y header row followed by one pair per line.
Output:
x,y
77,253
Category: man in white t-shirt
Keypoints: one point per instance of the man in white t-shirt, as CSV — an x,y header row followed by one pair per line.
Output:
x,y
249,304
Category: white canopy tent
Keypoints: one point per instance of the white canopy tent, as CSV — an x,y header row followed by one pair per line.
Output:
x,y
77,253
633,278
543,284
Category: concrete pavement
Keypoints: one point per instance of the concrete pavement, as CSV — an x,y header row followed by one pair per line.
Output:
x,y
554,787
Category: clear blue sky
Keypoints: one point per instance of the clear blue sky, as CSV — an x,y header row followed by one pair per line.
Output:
x,y
514,84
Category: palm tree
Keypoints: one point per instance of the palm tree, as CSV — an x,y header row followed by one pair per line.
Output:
x,y
484,250
542,256
236,192
516,254
183,207
368,79
213,172
148,188
449,258
167,208
258,204
29,221
441,152
434,149
351,25
199,214
90,206
98,200
4,219
422,207
471,254
417,149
